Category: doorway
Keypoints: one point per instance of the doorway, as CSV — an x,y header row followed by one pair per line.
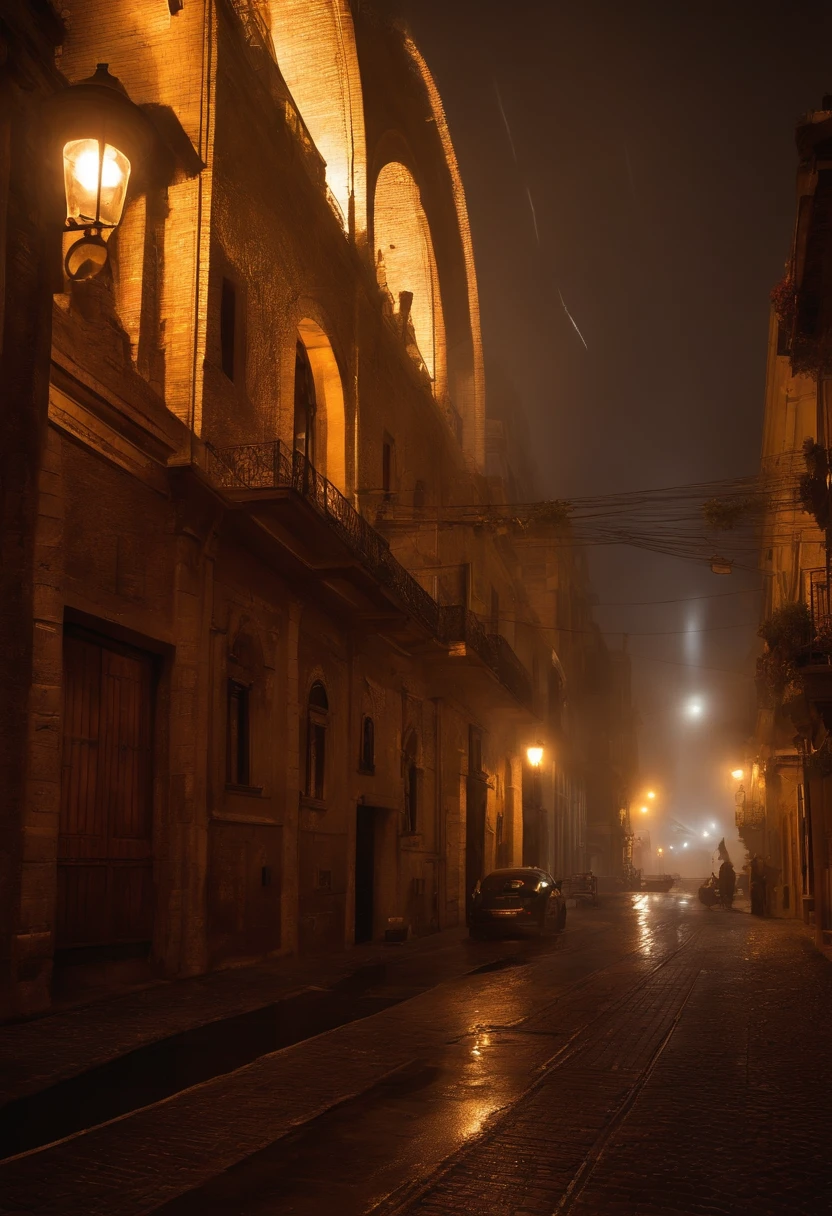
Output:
x,y
105,852
365,873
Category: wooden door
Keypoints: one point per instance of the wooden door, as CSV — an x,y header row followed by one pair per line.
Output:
x,y
105,860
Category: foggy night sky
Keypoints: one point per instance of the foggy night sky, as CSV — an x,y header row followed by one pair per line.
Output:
x,y
666,266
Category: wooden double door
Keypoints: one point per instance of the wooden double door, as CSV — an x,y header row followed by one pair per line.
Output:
x,y
105,842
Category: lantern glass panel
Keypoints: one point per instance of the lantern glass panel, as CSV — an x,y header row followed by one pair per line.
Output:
x,y
95,187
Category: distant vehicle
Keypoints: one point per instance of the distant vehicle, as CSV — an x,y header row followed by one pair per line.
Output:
x,y
657,882
582,886
525,898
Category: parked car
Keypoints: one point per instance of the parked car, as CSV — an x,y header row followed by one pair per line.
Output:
x,y
526,898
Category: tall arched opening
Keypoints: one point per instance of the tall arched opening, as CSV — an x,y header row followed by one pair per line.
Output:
x,y
319,413
314,44
403,242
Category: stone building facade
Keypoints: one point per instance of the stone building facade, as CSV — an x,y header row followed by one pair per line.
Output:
x,y
280,698
784,802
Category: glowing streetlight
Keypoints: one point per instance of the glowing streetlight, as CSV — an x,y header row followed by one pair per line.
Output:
x,y
738,774
659,851
706,834
643,810
694,708
534,755
651,794
684,844
101,137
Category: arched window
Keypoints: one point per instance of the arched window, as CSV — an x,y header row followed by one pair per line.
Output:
x,y
305,404
320,426
411,785
314,44
404,252
317,715
368,746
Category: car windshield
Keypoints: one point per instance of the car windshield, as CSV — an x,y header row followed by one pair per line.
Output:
x,y
516,881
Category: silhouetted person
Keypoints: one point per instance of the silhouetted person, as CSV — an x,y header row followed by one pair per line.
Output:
x,y
758,886
727,884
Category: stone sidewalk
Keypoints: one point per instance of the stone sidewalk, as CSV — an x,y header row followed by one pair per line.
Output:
x,y
41,1052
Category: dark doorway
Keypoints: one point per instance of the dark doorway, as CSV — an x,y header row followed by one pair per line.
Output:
x,y
105,856
476,797
365,873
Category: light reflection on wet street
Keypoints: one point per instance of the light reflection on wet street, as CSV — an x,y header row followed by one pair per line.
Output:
x,y
516,1019
657,1059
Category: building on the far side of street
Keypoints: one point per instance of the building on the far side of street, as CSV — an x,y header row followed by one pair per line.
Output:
x,y
784,800
279,700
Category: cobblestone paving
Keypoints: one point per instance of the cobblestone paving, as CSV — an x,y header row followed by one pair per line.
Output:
x,y
706,1092
134,1164
680,1068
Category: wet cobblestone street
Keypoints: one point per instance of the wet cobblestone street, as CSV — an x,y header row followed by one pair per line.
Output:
x,y
655,1059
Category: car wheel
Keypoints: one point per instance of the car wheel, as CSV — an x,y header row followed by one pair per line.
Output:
x,y
561,920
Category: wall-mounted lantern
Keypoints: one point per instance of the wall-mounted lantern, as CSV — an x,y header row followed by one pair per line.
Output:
x,y
534,755
104,136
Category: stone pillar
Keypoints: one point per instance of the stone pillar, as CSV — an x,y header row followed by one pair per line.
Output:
x,y
28,37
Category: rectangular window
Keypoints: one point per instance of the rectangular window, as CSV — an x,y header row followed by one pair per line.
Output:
x,y
237,735
316,760
228,327
494,615
387,468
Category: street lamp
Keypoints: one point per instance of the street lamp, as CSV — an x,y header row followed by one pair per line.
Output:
x,y
95,181
738,774
643,810
534,755
102,137
651,794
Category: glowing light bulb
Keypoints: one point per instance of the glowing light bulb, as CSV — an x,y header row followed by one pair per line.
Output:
x,y
738,774
643,810
535,756
86,169
651,793
684,844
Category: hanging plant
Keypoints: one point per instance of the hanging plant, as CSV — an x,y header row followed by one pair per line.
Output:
x,y
784,299
787,634
813,489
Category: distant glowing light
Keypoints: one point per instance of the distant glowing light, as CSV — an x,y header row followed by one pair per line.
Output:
x,y
685,844
643,810
694,708
738,774
535,756
660,851
651,793
706,834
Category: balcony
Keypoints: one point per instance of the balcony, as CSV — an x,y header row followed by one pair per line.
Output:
x,y
266,480
273,466
464,631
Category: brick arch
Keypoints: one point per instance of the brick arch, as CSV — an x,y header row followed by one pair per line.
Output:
x,y
329,393
403,242
314,44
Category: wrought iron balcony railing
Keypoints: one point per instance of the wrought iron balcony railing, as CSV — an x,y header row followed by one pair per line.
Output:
x,y
273,465
458,624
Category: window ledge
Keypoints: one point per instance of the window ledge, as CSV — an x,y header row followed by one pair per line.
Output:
x,y
249,791
313,804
